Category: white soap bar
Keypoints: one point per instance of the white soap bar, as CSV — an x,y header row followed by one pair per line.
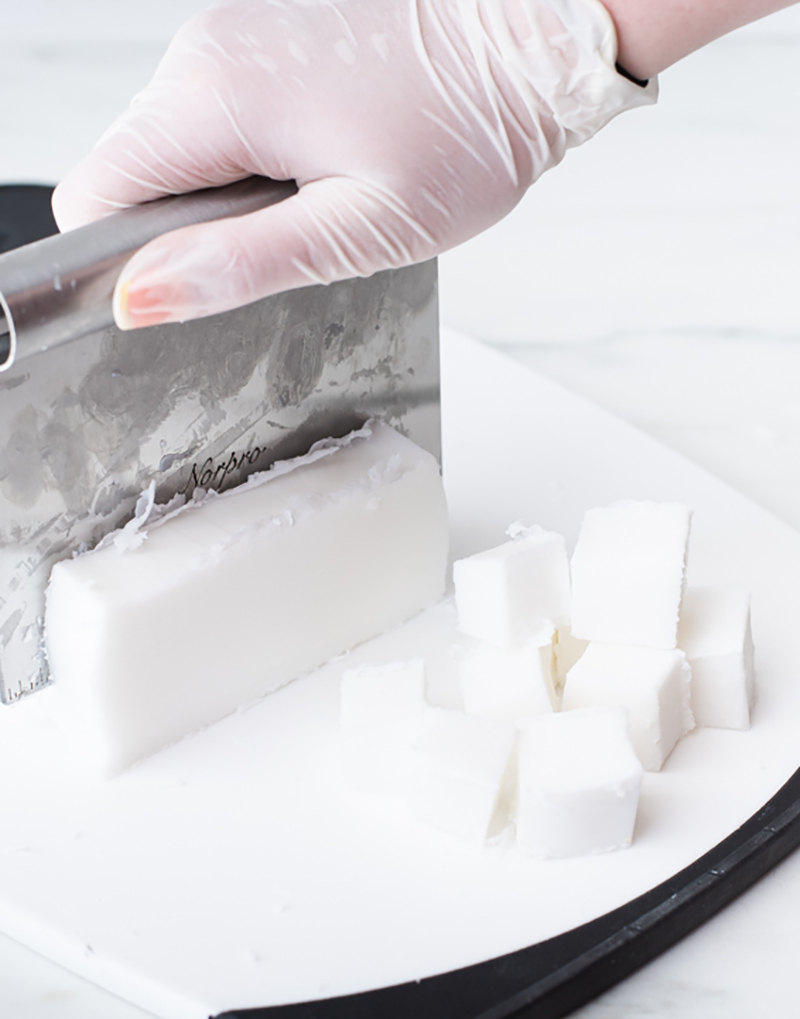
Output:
x,y
628,573
462,777
225,602
381,711
715,634
509,683
652,685
511,592
579,783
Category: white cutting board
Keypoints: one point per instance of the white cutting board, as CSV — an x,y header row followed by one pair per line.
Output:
x,y
233,871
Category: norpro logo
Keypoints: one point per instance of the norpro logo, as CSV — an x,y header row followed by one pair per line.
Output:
x,y
212,473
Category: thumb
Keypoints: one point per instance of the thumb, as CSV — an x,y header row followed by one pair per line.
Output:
x,y
335,228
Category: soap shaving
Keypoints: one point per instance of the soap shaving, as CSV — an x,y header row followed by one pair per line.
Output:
x,y
517,531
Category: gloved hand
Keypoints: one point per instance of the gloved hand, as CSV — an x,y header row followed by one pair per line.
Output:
x,y
409,126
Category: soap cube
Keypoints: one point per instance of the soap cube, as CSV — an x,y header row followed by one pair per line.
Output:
x,y
509,593
509,683
715,635
579,783
628,574
567,650
652,685
381,711
462,777
236,596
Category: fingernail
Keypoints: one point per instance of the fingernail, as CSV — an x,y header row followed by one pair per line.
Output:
x,y
136,307
120,305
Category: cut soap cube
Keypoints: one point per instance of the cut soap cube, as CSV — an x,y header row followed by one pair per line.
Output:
x,y
628,574
509,684
381,710
715,634
568,650
579,783
652,685
510,593
462,777
231,599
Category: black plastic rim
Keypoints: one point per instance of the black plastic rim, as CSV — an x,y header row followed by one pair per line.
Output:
x,y
554,977
25,214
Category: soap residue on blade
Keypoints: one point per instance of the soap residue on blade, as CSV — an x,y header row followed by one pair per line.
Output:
x,y
149,514
132,535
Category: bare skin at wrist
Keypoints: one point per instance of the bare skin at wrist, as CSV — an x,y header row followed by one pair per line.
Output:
x,y
654,34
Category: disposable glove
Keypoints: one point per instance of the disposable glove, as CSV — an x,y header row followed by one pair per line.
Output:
x,y
409,126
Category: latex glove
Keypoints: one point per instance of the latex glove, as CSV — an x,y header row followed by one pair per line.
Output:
x,y
409,125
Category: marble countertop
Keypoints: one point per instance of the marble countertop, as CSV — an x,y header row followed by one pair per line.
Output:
x,y
655,272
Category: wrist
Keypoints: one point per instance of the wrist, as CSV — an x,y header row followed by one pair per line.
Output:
x,y
654,34
568,55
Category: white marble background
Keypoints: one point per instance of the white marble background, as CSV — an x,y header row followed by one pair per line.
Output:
x,y
656,272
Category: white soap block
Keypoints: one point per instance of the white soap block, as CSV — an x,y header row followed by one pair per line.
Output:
x,y
567,650
628,573
715,634
579,783
229,600
652,685
509,683
381,711
463,773
511,592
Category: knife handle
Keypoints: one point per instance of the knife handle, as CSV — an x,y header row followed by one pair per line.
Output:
x,y
61,287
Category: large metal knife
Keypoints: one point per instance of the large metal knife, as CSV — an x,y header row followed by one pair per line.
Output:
x,y
89,416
